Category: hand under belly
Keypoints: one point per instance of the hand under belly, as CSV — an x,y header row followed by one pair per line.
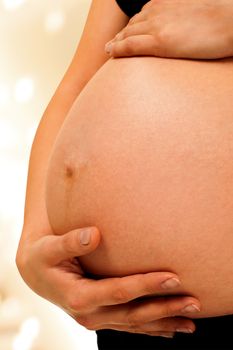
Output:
x,y
146,155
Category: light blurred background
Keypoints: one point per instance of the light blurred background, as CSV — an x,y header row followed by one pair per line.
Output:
x,y
37,39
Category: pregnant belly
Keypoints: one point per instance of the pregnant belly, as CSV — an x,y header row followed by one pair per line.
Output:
x,y
146,155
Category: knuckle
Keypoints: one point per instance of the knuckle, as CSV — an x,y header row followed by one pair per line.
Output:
x,y
120,295
162,36
77,305
147,284
133,320
44,246
162,41
134,18
168,324
169,309
123,34
148,4
69,243
20,261
129,45
82,320
87,322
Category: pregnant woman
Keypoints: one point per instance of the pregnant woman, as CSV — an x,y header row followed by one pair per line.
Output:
x,y
145,154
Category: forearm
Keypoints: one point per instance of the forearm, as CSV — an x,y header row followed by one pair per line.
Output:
x,y
35,212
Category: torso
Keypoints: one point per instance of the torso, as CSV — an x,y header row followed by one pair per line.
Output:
x,y
146,155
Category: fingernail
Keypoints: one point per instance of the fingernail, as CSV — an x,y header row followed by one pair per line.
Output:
x,y
184,330
108,47
85,236
170,283
191,308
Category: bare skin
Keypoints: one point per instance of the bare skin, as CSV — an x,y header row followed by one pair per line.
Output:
x,y
54,273
145,155
46,262
164,28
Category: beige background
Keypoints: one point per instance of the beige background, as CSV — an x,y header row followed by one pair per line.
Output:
x,y
37,40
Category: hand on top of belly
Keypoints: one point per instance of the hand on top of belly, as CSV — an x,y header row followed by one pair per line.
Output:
x,y
51,268
164,29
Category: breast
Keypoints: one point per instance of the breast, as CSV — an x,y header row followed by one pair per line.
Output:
x,y
145,154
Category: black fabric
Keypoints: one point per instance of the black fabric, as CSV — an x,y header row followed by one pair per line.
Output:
x,y
214,333
131,7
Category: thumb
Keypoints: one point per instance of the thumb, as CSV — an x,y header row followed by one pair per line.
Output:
x,y
133,45
72,244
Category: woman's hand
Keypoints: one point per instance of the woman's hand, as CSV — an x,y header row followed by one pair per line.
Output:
x,y
50,267
199,29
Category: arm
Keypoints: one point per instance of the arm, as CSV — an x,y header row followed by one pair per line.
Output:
x,y
46,261
89,57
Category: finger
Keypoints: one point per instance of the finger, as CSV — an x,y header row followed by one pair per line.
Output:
x,y
169,324
138,17
133,29
136,330
130,30
136,45
157,308
138,313
150,4
119,290
72,244
164,335
122,317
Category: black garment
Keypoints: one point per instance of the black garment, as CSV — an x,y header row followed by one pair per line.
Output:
x,y
131,7
214,333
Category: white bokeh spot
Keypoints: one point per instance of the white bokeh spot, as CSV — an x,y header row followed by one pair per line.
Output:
x,y
54,21
24,90
12,4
